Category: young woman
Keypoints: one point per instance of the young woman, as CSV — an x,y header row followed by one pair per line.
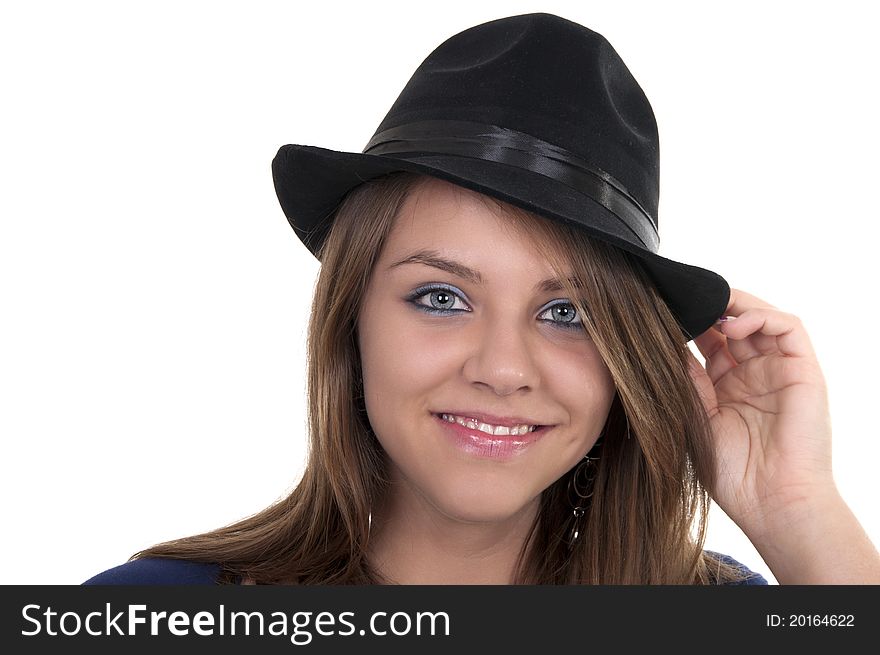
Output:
x,y
500,385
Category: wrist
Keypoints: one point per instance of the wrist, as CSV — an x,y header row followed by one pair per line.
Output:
x,y
796,513
816,540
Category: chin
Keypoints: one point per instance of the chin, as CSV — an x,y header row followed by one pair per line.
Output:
x,y
473,507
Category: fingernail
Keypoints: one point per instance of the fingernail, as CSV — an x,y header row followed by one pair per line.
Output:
x,y
724,319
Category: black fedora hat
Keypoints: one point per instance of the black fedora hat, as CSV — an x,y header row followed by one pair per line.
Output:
x,y
535,110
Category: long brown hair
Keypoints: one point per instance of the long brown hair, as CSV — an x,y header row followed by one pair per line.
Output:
x,y
646,520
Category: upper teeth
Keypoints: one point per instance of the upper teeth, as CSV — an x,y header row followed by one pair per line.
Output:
x,y
474,424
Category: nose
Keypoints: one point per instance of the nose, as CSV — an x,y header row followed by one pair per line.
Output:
x,y
502,357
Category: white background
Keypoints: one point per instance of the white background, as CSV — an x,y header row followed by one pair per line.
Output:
x,y
153,299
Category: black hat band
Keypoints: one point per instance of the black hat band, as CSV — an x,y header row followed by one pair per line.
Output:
x,y
506,146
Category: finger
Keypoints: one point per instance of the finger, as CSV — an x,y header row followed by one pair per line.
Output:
x,y
740,301
721,353
744,349
714,347
758,343
769,331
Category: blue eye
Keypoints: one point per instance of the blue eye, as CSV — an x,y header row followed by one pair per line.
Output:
x,y
568,312
442,301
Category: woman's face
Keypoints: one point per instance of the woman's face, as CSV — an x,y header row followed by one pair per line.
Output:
x,y
497,347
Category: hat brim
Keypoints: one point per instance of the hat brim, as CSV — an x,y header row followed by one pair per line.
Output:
x,y
311,182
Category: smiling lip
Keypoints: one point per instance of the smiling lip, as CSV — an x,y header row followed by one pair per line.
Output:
x,y
489,446
491,419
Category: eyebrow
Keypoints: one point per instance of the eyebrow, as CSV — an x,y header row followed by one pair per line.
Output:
x,y
433,258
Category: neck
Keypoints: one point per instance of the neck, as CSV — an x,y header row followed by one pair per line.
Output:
x,y
412,542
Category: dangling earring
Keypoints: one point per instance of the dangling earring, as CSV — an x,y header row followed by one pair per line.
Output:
x,y
580,488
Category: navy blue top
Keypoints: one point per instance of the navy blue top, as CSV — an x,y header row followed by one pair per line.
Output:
x,y
163,571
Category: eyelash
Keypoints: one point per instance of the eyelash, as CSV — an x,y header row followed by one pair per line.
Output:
x,y
421,292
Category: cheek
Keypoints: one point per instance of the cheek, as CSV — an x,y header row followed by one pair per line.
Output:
x,y
581,373
401,366
399,350
397,361
585,387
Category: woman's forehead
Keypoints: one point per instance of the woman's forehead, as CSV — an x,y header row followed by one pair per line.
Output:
x,y
452,229
435,206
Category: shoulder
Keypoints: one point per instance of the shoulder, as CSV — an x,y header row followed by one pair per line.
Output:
x,y
158,571
752,579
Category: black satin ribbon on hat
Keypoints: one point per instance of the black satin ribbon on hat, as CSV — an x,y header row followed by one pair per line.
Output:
x,y
506,146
